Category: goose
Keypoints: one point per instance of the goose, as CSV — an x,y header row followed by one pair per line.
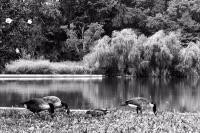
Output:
x,y
139,103
56,102
37,105
97,112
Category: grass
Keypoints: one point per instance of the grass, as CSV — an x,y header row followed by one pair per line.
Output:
x,y
22,66
118,121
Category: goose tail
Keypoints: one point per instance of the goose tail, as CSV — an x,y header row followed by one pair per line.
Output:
x,y
123,104
22,103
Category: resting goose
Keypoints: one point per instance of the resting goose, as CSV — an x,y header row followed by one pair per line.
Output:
x,y
56,102
97,112
139,103
37,105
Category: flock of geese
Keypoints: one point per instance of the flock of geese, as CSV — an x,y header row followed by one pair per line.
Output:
x,y
50,103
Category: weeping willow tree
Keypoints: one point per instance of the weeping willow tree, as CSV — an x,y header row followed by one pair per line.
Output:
x,y
113,54
122,44
138,66
190,60
102,57
159,55
159,51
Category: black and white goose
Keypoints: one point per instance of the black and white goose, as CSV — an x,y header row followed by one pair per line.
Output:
x,y
97,112
37,105
138,103
56,102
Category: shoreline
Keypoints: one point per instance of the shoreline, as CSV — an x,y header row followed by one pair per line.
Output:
x,y
84,110
21,108
50,76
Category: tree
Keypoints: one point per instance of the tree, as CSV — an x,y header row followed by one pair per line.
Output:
x,y
190,60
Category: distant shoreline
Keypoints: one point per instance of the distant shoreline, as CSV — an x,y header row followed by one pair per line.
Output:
x,y
49,76
20,108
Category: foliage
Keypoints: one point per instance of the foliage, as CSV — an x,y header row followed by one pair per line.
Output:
x,y
69,30
190,60
28,37
121,44
102,57
157,54
92,34
136,54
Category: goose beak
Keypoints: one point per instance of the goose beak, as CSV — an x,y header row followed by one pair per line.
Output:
x,y
151,105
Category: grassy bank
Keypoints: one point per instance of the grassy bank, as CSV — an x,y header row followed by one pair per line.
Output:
x,y
116,121
46,67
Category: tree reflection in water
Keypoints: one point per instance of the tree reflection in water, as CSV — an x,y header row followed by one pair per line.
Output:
x,y
177,94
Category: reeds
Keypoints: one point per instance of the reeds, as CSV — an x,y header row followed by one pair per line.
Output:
x,y
46,67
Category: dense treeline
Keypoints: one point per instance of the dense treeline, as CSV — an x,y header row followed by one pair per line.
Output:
x,y
77,30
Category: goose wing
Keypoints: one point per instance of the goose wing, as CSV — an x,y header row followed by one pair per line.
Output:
x,y
52,99
133,102
36,105
142,100
96,112
138,101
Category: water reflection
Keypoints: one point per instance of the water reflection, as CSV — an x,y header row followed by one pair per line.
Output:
x,y
180,95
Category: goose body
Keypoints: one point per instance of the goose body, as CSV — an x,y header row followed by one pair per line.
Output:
x,y
37,105
138,103
56,102
97,112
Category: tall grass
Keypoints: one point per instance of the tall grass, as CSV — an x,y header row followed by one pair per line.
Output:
x,y
46,67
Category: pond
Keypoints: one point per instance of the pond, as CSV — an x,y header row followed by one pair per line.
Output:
x,y
170,95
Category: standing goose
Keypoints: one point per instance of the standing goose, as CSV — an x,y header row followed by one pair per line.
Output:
x,y
139,103
56,102
37,105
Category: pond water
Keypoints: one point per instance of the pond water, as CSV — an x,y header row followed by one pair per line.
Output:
x,y
172,95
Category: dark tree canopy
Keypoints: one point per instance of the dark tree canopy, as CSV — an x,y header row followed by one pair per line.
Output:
x,y
68,29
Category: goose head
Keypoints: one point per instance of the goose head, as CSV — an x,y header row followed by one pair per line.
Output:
x,y
153,105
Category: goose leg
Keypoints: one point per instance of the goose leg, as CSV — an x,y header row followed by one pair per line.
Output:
x,y
140,110
137,109
37,114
